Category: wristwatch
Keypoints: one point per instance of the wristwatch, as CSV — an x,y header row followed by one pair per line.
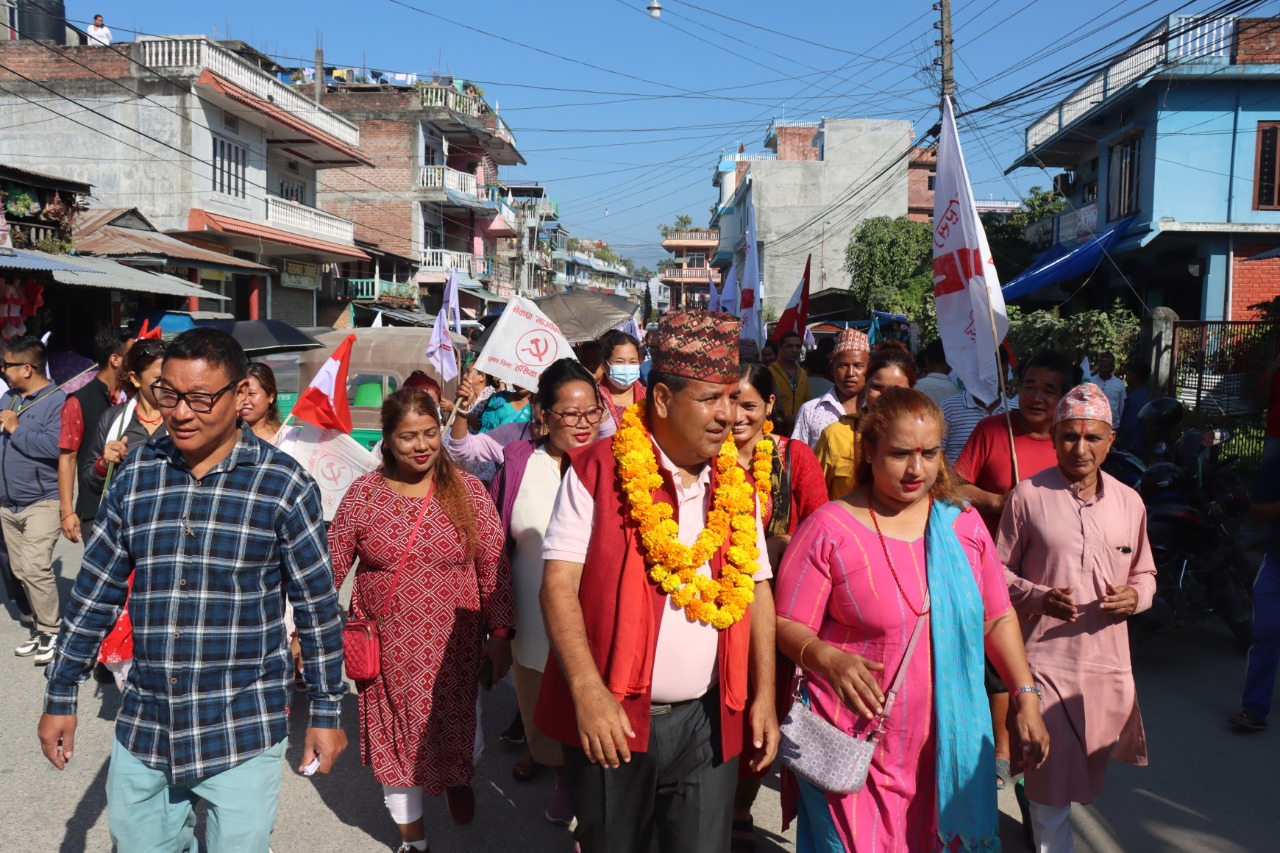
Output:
x,y
1030,688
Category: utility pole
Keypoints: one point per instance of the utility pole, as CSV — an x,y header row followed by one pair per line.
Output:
x,y
319,72
944,26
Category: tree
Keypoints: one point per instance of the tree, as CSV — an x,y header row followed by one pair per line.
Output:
x,y
643,272
684,222
890,264
1007,235
1084,333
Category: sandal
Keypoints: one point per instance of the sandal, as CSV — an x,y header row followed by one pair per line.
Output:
x,y
1003,776
525,768
743,837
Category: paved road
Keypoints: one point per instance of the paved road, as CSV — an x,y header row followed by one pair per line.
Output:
x,y
1208,790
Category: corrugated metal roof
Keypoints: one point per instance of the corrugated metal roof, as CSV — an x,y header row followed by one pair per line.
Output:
x,y
102,272
200,219
44,180
33,261
114,241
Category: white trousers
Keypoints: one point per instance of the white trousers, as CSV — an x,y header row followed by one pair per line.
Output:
x,y
1052,828
403,804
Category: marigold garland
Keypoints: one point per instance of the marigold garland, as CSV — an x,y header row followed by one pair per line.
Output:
x,y
673,565
762,466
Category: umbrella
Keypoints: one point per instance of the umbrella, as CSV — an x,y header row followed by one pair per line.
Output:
x,y
259,337
584,315
65,365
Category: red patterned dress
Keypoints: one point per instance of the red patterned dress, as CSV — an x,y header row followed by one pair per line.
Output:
x,y
418,718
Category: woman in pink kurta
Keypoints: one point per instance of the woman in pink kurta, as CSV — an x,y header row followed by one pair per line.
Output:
x,y
835,580
418,716
849,591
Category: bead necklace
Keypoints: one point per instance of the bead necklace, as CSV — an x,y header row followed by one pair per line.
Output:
x,y
885,547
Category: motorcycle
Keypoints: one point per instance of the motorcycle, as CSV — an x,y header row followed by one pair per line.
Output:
x,y
1191,491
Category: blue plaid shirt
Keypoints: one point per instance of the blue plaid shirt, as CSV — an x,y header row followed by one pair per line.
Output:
x,y
214,559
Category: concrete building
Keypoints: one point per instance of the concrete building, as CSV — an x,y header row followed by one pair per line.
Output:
x,y
203,141
812,187
690,269
528,254
1176,145
431,192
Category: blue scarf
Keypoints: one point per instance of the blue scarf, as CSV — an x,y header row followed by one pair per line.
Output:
x,y
962,718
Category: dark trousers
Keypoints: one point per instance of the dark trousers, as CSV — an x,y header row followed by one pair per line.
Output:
x,y
680,786
1264,654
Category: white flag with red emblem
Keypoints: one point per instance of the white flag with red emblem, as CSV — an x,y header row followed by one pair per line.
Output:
x,y
971,314
324,402
440,351
749,287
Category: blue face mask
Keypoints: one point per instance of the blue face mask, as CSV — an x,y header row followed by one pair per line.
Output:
x,y
624,375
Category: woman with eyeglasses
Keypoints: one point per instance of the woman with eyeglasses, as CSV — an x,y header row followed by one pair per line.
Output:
x,y
524,491
122,429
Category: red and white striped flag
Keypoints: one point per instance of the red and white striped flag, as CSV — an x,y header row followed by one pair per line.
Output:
x,y
324,402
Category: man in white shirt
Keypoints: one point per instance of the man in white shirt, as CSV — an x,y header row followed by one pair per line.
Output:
x,y
653,700
98,33
848,374
935,381
1111,385
962,414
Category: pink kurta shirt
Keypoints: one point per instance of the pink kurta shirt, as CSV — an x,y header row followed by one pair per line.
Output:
x,y
1047,539
834,579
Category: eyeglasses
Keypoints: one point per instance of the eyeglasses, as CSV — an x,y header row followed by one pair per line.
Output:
x,y
167,398
153,349
575,418
5,365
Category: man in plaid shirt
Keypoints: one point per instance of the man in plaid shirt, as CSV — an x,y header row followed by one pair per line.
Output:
x,y
219,527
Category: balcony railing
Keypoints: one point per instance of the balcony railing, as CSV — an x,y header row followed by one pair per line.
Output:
x,y
691,274
444,178
292,216
443,259
376,288
500,128
743,157
1183,38
700,236
194,52
451,99
1070,226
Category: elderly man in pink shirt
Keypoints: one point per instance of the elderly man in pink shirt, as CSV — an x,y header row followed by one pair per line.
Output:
x,y
1073,541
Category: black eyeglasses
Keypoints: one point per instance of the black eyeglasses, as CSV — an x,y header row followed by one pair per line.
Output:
x,y
574,418
167,398
5,365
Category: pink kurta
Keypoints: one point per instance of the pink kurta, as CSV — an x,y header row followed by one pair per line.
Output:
x,y
1050,539
418,718
834,579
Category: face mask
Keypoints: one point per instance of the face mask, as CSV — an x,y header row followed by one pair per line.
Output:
x,y
624,375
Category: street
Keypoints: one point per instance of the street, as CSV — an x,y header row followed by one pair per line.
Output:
x,y
1208,790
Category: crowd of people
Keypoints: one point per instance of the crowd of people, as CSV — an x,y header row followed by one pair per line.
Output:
x,y
676,550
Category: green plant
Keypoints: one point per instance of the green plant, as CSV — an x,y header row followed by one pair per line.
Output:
x,y
890,265
54,245
1084,333
684,222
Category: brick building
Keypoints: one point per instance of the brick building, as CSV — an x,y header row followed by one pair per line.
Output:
x,y
205,142
430,197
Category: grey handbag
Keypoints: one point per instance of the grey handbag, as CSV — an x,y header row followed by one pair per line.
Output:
x,y
825,756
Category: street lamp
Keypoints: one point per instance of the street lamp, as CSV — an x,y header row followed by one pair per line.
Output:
x,y
655,9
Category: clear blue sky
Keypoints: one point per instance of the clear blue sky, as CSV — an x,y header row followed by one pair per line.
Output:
x,y
627,114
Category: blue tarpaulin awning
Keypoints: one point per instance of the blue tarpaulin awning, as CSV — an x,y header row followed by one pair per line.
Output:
x,y
1063,262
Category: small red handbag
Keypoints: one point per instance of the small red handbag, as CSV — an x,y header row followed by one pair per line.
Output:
x,y
361,643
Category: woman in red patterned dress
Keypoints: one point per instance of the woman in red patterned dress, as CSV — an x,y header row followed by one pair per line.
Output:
x,y
451,610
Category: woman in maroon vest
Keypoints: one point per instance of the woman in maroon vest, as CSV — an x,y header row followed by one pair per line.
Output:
x,y
524,490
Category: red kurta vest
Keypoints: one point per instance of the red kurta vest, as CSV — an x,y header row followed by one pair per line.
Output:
x,y
615,610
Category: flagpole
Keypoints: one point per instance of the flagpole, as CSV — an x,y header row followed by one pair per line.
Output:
x,y
1004,393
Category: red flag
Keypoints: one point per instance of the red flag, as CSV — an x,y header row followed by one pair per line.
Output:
x,y
324,402
795,317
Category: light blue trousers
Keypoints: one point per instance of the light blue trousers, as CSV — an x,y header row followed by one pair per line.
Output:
x,y
148,814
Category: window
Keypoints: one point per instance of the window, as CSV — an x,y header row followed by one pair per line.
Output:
x,y
230,122
933,179
1090,192
1124,178
1266,179
695,260
229,163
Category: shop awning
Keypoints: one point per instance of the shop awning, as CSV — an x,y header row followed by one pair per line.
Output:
x,y
469,201
481,293
1063,262
201,220
96,233
101,272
